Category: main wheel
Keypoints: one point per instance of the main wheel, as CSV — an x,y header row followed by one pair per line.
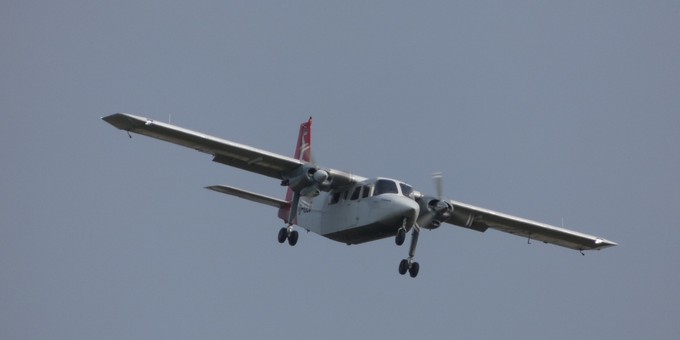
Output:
x,y
401,236
283,234
413,271
293,238
403,266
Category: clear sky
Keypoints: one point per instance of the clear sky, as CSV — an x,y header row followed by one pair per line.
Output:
x,y
566,113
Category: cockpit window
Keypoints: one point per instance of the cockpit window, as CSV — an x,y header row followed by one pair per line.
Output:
x,y
366,191
406,190
384,186
355,193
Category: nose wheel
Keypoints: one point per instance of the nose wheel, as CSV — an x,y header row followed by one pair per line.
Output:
x,y
401,233
288,234
401,236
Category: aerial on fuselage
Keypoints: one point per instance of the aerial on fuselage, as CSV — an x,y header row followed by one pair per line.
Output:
x,y
348,208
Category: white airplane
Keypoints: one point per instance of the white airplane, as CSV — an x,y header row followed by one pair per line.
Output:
x,y
348,208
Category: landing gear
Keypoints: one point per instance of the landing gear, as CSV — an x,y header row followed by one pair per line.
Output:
x,y
413,271
401,233
408,265
401,236
283,235
293,238
288,234
403,266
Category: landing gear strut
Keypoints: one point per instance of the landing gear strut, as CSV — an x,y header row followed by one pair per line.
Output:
x,y
288,232
401,233
409,265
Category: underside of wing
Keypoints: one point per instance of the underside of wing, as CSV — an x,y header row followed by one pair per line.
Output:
x,y
480,219
223,151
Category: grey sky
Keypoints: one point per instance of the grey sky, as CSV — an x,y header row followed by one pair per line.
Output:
x,y
562,113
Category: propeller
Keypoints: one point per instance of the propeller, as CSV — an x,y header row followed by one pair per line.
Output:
x,y
437,210
437,178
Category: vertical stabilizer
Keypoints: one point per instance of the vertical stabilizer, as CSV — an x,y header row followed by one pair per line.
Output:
x,y
303,152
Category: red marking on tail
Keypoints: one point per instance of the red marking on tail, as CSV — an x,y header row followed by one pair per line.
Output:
x,y
303,152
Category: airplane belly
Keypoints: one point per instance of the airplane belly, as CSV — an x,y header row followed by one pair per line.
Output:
x,y
376,218
365,233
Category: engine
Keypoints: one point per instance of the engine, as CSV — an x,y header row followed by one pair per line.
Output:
x,y
433,212
307,180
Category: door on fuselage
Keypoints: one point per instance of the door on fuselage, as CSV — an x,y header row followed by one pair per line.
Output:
x,y
358,209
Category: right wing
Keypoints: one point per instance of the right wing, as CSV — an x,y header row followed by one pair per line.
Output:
x,y
480,219
223,151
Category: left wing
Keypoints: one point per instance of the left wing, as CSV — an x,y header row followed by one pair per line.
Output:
x,y
223,151
480,219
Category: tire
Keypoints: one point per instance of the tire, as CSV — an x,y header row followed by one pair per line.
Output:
x,y
293,238
401,237
403,267
283,234
415,268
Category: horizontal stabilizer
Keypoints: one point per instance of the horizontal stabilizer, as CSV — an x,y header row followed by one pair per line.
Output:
x,y
251,196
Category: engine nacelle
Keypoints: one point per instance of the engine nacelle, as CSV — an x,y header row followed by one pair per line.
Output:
x,y
307,180
433,212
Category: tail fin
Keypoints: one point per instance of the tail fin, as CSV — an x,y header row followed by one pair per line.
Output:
x,y
303,152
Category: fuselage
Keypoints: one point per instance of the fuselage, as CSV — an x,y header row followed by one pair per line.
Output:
x,y
371,209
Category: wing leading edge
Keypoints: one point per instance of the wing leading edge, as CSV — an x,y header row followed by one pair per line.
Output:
x,y
480,219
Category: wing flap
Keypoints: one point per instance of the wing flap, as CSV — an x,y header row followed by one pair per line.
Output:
x,y
249,195
472,217
224,151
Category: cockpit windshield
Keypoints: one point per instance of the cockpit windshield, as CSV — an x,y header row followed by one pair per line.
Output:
x,y
406,190
384,186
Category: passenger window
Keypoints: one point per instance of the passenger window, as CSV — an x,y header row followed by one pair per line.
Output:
x,y
335,198
355,193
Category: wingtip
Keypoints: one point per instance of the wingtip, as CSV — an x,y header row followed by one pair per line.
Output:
x,y
602,243
124,121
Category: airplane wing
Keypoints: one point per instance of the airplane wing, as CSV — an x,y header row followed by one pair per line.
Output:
x,y
223,151
480,219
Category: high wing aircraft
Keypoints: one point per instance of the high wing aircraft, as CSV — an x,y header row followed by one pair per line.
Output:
x,y
348,208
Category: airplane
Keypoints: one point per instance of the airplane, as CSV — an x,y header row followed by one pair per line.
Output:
x,y
345,207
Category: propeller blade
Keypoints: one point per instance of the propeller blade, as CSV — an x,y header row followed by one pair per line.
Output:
x,y
437,178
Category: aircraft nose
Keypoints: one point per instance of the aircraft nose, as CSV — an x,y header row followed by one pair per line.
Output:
x,y
404,207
